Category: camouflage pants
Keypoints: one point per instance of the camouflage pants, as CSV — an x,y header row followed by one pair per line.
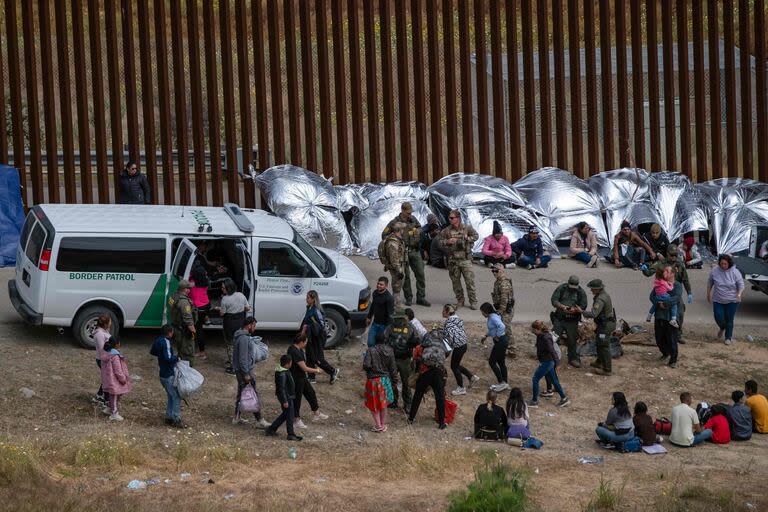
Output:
x,y
397,286
507,319
457,269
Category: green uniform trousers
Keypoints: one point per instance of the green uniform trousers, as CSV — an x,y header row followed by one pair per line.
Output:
x,y
603,341
185,345
571,331
405,371
415,263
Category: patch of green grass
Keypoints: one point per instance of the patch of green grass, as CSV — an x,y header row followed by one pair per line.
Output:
x,y
497,488
606,497
16,465
697,498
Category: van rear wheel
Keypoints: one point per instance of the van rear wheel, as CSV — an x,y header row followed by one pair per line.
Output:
x,y
335,327
84,324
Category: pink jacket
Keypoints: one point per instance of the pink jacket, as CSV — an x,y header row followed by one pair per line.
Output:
x,y
491,245
100,336
114,374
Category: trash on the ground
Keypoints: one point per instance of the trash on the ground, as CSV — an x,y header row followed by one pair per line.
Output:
x,y
468,438
749,506
137,484
206,473
293,453
229,496
144,408
184,476
153,481
318,437
342,425
135,377
27,393
536,471
550,414
348,411
750,339
167,481
591,459
588,374
210,481
56,377
321,480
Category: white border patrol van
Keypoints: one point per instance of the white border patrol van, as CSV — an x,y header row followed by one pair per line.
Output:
x,y
76,262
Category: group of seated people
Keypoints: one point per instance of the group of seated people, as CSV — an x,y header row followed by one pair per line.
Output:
x,y
687,426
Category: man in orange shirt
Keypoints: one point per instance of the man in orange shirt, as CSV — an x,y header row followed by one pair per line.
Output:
x,y
758,405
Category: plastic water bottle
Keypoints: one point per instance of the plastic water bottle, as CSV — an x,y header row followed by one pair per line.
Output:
x,y
293,453
750,338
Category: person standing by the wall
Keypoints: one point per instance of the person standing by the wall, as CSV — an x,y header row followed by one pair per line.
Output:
x,y
134,186
413,261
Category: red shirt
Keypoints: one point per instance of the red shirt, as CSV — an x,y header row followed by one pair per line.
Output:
x,y
721,433
417,350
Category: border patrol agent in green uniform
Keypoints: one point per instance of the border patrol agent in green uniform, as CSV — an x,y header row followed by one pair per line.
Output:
x,y
569,300
605,322
414,261
183,315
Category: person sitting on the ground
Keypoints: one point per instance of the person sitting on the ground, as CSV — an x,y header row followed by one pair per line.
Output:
x,y
644,428
496,248
663,284
686,429
740,418
657,241
618,426
758,406
490,419
718,424
689,253
629,250
530,251
517,416
584,245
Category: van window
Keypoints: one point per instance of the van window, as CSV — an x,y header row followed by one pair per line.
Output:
x,y
311,253
28,224
35,245
102,254
281,260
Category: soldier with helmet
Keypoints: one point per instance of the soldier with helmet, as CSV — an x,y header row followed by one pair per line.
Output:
x,y
605,322
183,316
411,237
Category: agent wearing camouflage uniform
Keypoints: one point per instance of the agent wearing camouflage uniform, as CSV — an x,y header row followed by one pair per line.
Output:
x,y
396,259
569,300
503,297
605,323
458,239
414,261
183,316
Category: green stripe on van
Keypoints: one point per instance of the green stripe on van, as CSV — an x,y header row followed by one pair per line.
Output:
x,y
152,314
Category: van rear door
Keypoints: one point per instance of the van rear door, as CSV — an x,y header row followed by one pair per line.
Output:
x,y
33,256
181,266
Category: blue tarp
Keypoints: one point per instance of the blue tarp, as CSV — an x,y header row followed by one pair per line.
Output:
x,y
11,214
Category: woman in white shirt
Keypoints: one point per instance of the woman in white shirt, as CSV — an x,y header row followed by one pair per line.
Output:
x,y
233,308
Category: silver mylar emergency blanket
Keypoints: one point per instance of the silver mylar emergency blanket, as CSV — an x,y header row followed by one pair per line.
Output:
x,y
308,202
514,224
403,190
734,206
561,200
368,224
624,194
677,203
458,191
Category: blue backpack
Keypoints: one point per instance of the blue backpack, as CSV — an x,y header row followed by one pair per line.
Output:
x,y
632,446
534,443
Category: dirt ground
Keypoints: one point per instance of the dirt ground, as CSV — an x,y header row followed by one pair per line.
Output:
x,y
87,461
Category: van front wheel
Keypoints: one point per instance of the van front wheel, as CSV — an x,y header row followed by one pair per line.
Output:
x,y
335,328
84,324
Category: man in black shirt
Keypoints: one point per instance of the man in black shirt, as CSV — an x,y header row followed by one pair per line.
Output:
x,y
299,370
381,311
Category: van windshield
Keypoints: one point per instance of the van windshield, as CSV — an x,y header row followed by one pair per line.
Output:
x,y
310,252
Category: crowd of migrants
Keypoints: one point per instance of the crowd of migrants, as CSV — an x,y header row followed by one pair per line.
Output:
x,y
403,359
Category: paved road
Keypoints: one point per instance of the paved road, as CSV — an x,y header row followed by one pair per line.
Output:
x,y
533,288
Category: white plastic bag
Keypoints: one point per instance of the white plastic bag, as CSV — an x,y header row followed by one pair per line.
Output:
x,y
186,379
259,350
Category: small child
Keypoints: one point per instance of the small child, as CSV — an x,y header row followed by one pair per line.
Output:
x,y
285,389
416,324
661,287
114,376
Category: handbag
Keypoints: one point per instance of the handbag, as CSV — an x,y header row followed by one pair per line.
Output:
x,y
663,426
249,400
450,411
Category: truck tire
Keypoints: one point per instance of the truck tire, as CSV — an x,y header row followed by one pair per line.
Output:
x,y
84,324
335,327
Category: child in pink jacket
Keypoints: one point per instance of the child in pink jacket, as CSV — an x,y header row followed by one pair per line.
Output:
x,y
114,376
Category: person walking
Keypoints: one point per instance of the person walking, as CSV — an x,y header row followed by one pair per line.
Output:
x,y
233,309
667,335
569,300
403,338
134,186
503,297
497,359
313,326
299,370
381,311
381,379
547,357
456,337
681,276
413,259
114,376
583,245
183,318
458,238
166,361
395,254
429,358
724,289
285,390
243,361
605,323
